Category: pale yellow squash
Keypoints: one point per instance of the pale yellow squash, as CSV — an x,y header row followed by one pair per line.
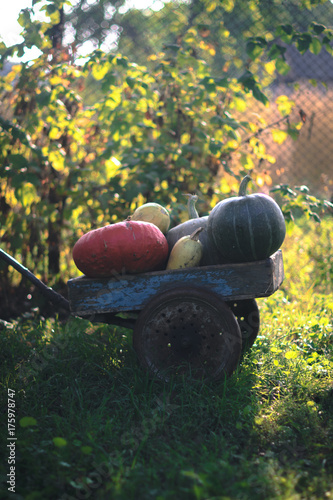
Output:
x,y
187,252
153,213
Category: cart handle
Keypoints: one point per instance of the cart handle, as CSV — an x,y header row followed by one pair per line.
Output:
x,y
48,292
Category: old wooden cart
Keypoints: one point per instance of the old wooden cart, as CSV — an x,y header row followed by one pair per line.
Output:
x,y
196,321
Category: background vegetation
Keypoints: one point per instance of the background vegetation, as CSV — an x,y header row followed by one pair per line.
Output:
x,y
82,143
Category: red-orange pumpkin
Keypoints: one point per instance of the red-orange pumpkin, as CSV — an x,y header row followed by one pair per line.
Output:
x,y
125,247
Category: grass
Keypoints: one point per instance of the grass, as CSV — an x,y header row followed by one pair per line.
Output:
x,y
90,424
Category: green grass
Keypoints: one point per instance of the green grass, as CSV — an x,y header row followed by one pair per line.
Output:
x,y
91,424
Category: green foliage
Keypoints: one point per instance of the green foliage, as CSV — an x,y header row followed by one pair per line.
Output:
x,y
298,202
308,257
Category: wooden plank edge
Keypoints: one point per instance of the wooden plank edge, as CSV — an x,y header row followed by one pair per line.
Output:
x,y
269,262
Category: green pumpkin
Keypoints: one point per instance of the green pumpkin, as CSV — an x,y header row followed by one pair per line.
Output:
x,y
246,228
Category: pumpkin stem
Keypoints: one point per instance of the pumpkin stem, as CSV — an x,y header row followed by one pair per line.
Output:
x,y
243,185
192,211
195,235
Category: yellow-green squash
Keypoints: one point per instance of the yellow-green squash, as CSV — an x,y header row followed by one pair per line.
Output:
x,y
187,252
153,213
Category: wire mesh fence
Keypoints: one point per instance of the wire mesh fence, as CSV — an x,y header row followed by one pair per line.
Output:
x,y
309,81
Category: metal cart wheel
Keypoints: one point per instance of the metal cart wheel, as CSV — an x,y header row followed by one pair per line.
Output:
x,y
248,317
187,331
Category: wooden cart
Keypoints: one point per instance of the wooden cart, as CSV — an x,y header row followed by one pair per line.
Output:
x,y
198,320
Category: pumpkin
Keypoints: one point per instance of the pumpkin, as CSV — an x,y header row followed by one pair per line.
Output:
x,y
125,247
153,213
210,255
246,227
187,252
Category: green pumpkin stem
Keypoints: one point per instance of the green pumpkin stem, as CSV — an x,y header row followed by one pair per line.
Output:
x,y
192,211
243,185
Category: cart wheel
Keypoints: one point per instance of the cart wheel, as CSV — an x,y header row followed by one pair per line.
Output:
x,y
247,315
187,331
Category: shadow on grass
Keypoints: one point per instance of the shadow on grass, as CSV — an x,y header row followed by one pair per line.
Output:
x,y
100,428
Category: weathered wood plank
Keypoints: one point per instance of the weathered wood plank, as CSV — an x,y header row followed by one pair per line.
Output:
x,y
131,292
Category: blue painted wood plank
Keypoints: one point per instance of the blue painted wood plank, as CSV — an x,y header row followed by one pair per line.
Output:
x,y
131,292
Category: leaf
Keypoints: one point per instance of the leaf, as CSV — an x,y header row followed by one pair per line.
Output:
x,y
215,147
57,160
185,138
27,194
315,216
291,354
293,133
59,442
100,71
86,450
285,105
260,96
228,5
282,66
24,18
18,161
315,46
122,61
27,421
130,82
317,28
303,42
303,189
287,28
255,47
247,162
279,136
211,7
208,83
285,32
249,83
276,51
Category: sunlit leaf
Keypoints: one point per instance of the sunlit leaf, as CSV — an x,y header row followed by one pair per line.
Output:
x,y
291,354
211,6
112,167
57,160
27,194
315,46
279,136
185,138
284,104
247,162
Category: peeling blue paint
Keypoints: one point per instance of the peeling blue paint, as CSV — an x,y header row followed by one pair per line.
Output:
x,y
126,293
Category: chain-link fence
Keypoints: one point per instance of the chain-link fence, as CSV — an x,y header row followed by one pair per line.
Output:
x,y
309,82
